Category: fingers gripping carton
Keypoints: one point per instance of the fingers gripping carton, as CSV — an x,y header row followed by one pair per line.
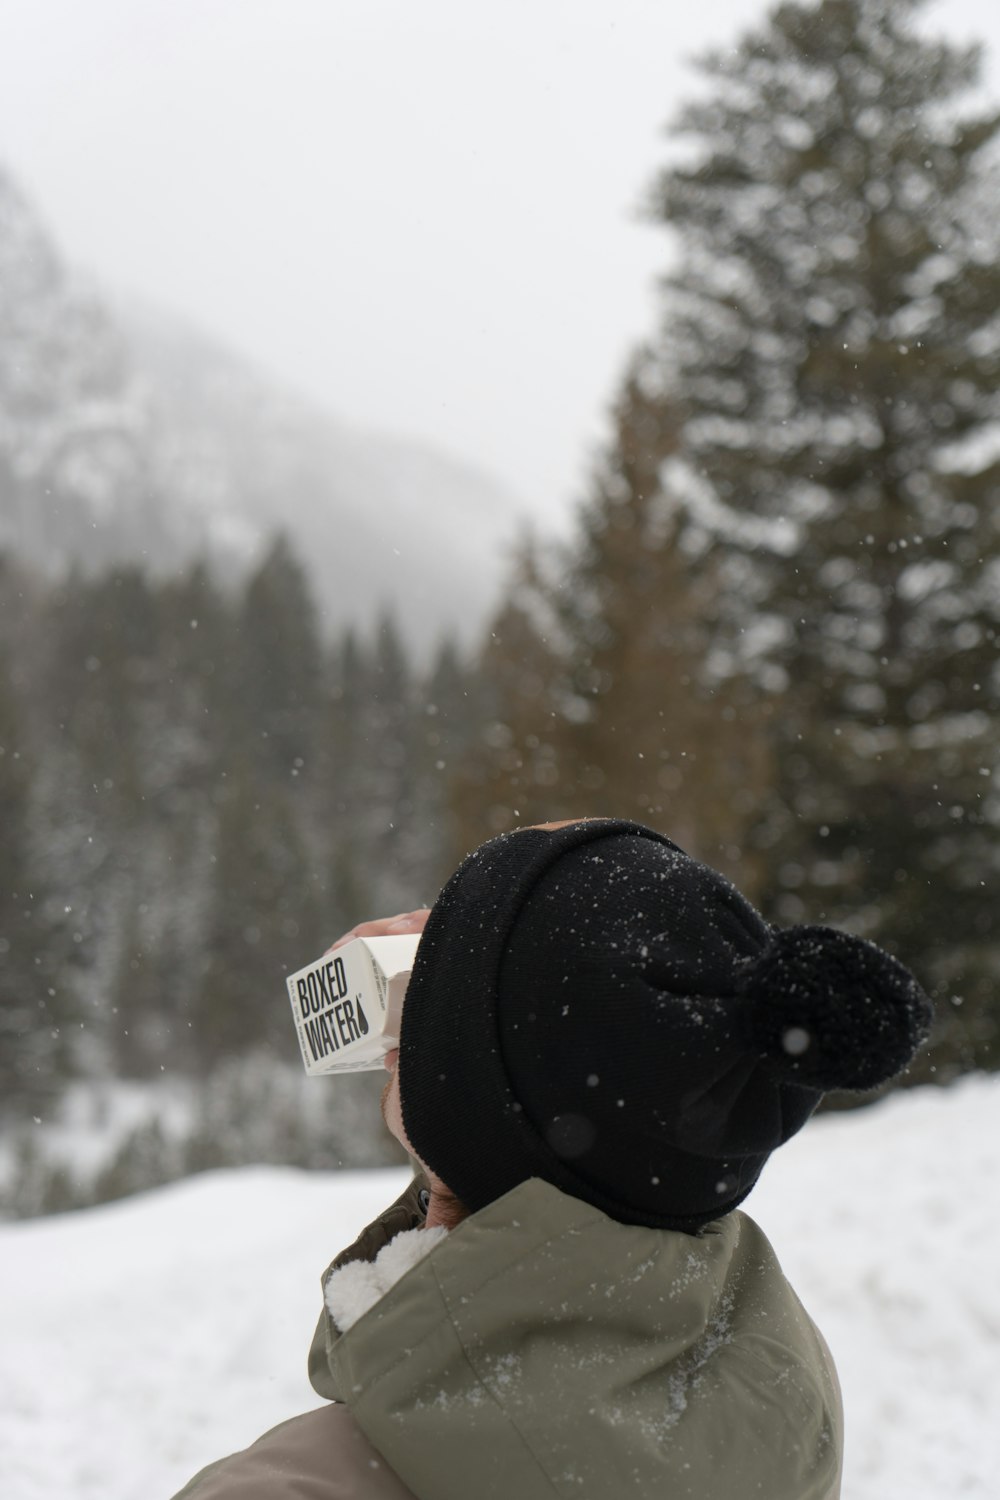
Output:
x,y
347,1005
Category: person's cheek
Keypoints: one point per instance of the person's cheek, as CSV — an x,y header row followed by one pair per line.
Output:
x,y
392,1112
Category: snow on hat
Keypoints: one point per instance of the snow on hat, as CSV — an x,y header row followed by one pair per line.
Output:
x,y
591,1006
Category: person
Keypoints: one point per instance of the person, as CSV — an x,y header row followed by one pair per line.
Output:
x,y
601,1044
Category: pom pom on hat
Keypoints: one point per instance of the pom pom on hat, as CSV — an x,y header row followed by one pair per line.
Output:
x,y
832,1009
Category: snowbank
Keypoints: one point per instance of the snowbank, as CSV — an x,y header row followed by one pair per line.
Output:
x,y
143,1339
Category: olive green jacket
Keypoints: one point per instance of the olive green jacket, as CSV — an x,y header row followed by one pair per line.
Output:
x,y
543,1349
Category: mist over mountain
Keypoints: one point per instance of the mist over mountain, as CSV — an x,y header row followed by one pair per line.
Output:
x,y
126,434
76,476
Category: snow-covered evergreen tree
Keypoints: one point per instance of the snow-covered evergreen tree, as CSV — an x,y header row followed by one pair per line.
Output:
x,y
833,332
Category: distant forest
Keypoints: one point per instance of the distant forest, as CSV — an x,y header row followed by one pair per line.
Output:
x,y
772,635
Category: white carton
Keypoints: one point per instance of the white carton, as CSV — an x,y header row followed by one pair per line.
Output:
x,y
347,1005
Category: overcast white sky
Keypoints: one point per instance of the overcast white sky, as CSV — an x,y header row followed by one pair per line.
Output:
x,y
422,212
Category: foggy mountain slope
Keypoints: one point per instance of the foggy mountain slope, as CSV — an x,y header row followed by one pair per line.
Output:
x,y
75,476
126,435
378,519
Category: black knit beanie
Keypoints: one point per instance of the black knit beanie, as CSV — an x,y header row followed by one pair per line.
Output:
x,y
593,1007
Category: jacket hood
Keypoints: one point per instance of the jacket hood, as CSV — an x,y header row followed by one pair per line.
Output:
x,y
542,1347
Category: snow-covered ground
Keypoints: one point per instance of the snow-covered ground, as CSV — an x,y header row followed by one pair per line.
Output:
x,y
141,1340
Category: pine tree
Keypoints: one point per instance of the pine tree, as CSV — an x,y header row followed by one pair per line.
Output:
x,y
593,692
392,832
278,664
833,334
198,689
378,826
34,1005
341,774
263,922
659,734
510,772
445,735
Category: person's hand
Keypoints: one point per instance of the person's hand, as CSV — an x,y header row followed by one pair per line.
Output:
x,y
399,926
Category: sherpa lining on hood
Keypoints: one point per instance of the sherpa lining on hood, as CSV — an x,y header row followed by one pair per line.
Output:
x,y
354,1289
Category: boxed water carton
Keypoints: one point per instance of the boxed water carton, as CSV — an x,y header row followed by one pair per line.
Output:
x,y
347,1005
